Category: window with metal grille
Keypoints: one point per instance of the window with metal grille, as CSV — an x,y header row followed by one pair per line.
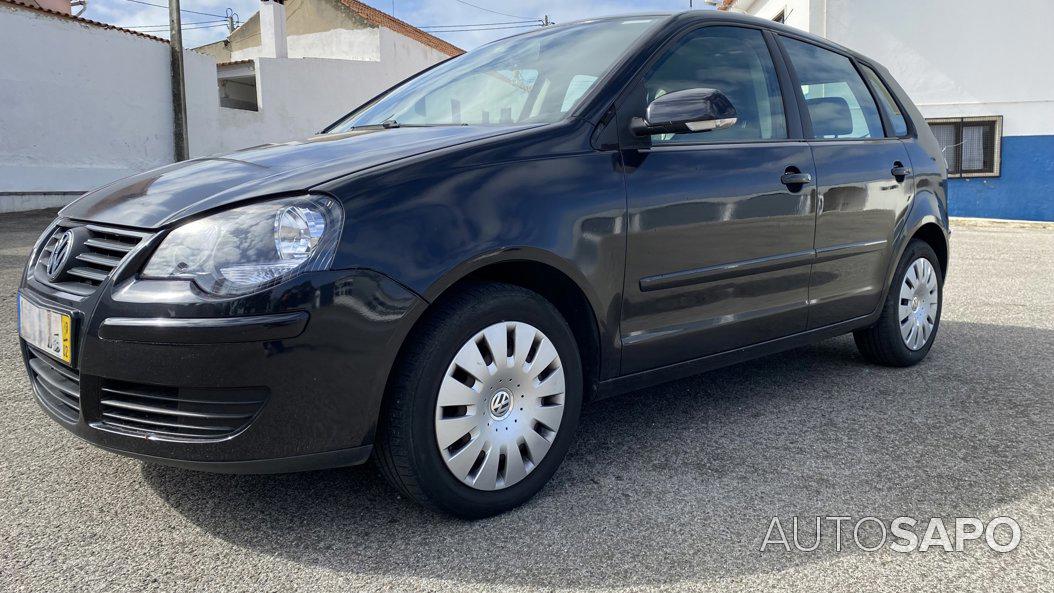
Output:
x,y
971,145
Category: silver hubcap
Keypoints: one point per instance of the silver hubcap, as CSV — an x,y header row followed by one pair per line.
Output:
x,y
918,303
500,405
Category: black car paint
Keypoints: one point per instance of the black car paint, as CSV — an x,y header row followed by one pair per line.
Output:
x,y
427,207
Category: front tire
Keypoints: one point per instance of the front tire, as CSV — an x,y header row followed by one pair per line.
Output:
x,y
483,403
911,314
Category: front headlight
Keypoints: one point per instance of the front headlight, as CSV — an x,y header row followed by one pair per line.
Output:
x,y
253,247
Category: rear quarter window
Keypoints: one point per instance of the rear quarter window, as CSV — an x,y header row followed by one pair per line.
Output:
x,y
885,97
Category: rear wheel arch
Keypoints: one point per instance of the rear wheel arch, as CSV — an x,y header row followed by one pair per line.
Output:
x,y
933,235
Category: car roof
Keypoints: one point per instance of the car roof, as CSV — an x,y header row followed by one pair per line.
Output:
x,y
689,16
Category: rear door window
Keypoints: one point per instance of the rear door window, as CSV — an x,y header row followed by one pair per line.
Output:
x,y
839,103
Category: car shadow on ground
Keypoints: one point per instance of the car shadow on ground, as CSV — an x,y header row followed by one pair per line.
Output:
x,y
679,482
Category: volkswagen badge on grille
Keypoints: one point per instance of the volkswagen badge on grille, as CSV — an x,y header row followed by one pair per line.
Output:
x,y
59,255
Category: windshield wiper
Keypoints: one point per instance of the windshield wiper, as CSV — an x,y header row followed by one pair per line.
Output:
x,y
390,124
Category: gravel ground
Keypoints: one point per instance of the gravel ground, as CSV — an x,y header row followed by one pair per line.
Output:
x,y
668,488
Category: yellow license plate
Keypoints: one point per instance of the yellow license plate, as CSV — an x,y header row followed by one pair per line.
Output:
x,y
48,330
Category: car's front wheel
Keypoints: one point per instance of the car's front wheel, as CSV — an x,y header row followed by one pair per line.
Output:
x,y
484,402
911,315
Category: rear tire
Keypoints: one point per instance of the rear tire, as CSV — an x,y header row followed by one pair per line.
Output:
x,y
497,474
911,314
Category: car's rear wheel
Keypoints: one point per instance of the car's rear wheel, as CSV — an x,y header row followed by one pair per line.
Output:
x,y
484,402
911,314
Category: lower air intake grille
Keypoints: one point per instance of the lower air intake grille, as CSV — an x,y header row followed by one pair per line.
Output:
x,y
168,412
57,387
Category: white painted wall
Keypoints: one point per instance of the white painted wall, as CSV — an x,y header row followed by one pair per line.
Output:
x,y
954,58
376,44
86,106
340,44
90,105
299,97
967,57
806,15
405,56
81,107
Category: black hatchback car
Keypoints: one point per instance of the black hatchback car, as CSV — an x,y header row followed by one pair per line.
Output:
x,y
440,279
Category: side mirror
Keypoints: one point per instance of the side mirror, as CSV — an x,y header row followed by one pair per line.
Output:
x,y
685,112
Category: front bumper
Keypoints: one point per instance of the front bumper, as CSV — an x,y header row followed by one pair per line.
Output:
x,y
289,379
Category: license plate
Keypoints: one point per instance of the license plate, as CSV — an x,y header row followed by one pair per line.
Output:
x,y
50,331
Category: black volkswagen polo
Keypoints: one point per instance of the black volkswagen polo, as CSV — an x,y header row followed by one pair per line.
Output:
x,y
440,279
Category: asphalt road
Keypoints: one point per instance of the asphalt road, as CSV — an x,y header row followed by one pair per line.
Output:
x,y
668,488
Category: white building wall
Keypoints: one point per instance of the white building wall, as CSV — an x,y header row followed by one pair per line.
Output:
x,y
954,58
340,44
90,105
404,56
962,58
806,15
297,97
84,106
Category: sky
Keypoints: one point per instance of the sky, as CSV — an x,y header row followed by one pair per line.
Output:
x,y
200,29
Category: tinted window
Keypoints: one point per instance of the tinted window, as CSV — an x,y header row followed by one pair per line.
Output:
x,y
900,126
734,61
840,105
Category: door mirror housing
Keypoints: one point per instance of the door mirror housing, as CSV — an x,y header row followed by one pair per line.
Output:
x,y
686,112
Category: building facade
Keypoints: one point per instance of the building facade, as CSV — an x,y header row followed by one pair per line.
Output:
x,y
977,71
330,29
93,102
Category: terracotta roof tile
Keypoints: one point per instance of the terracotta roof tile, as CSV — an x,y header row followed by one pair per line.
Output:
x,y
83,21
383,19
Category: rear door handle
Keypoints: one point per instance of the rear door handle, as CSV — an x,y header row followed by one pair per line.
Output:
x,y
789,179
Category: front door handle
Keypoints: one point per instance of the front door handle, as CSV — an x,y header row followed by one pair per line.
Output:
x,y
899,171
799,179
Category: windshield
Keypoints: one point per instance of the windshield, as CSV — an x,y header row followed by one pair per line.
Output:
x,y
533,78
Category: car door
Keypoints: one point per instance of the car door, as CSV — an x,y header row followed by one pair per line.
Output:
x,y
718,247
863,177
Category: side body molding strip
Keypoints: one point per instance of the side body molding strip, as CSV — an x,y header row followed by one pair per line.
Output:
x,y
757,266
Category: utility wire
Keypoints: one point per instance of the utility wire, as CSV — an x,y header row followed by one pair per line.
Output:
x,y
160,31
490,11
165,25
487,29
483,24
181,9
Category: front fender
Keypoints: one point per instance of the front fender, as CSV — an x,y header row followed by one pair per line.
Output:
x,y
546,197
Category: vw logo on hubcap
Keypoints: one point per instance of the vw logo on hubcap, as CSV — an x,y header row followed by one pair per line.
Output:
x,y
500,405
59,255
